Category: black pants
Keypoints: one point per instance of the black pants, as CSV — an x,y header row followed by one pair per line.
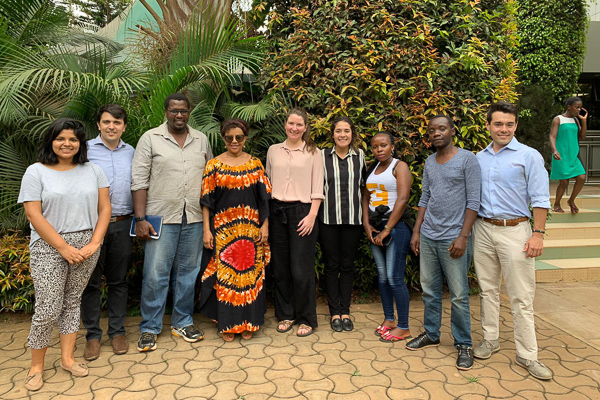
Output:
x,y
293,263
114,262
339,244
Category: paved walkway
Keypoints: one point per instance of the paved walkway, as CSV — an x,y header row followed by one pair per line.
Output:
x,y
326,365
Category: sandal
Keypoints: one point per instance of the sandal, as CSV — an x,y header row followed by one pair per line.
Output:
x,y
381,330
558,209
389,338
307,328
228,337
246,335
574,209
286,324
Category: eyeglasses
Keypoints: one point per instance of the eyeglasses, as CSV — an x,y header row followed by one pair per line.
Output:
x,y
238,138
182,112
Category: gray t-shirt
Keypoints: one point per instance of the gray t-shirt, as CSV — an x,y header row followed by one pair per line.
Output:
x,y
69,198
448,190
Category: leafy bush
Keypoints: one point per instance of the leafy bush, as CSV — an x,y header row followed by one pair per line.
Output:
x,y
552,44
16,285
550,56
391,65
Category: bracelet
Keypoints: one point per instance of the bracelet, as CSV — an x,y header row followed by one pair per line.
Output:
x,y
387,228
542,231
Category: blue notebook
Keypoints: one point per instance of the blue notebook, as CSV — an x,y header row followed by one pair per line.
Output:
x,y
156,222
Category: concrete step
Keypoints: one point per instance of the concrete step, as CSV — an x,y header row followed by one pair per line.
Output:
x,y
584,215
570,230
567,270
582,201
570,248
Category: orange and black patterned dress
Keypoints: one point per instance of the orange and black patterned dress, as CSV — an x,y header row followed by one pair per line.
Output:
x,y
232,290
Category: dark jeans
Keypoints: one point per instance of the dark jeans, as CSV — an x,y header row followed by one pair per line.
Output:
x,y
339,244
114,262
293,263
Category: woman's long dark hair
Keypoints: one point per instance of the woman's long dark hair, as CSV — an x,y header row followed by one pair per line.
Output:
x,y
45,153
311,146
355,138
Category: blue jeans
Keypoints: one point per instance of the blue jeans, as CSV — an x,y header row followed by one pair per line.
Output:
x,y
391,263
176,255
435,264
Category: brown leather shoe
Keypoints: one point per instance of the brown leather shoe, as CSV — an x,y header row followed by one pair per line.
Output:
x,y
120,344
92,350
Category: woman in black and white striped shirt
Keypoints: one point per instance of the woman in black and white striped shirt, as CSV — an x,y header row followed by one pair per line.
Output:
x,y
340,218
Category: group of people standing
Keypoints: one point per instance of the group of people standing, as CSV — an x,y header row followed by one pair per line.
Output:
x,y
249,218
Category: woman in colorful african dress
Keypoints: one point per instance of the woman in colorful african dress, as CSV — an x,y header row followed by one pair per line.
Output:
x,y
235,208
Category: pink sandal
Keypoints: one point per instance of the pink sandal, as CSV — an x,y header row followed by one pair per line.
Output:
x,y
382,330
389,338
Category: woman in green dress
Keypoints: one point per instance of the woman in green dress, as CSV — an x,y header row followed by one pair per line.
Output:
x,y
566,131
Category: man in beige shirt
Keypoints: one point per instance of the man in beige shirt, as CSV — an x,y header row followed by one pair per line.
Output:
x,y
166,180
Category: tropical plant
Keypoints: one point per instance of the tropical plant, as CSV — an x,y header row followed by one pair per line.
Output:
x,y
392,64
553,38
42,81
48,69
99,12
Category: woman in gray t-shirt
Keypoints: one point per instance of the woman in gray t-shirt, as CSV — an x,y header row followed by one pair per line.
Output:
x,y
67,202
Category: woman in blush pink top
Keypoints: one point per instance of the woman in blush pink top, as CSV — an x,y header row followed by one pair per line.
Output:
x,y
295,168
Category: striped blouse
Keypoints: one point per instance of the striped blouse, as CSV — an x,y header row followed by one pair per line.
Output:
x,y
344,178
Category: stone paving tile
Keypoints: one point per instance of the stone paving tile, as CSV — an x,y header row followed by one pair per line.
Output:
x,y
326,365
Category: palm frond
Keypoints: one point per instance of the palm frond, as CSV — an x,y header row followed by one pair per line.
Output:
x,y
16,154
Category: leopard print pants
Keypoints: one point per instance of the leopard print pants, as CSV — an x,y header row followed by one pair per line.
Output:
x,y
58,288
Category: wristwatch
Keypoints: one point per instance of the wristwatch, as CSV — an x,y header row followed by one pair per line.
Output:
x,y
542,231
138,219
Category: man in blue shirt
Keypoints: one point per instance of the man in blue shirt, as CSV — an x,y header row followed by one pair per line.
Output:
x,y
512,178
115,158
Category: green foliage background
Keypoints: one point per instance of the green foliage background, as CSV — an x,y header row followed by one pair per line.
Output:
x,y
391,65
550,57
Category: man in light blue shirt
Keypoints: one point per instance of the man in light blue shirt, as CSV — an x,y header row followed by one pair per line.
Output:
x,y
513,177
115,158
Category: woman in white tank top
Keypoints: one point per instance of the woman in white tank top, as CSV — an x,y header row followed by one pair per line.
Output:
x,y
384,204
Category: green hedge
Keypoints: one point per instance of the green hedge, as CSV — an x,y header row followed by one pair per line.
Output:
x,y
391,65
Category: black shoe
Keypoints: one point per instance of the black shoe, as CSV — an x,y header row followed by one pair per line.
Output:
x,y
188,333
421,341
464,361
347,324
336,325
147,342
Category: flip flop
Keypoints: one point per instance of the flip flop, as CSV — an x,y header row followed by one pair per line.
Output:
x,y
381,330
558,210
287,325
305,327
389,338
574,209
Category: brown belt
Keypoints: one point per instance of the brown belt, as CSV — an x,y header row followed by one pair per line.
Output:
x,y
119,218
505,222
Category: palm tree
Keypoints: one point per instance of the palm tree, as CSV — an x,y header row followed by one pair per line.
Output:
x,y
50,69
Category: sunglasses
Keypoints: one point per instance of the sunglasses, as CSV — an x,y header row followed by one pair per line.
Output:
x,y
238,138
182,112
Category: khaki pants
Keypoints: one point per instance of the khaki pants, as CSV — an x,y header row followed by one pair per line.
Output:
x,y
496,250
